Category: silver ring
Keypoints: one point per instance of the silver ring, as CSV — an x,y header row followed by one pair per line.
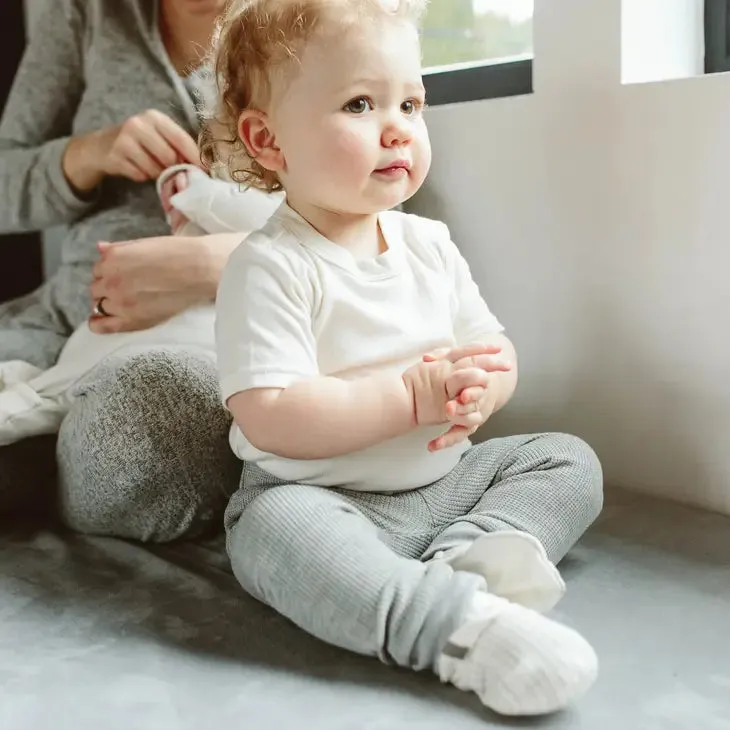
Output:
x,y
99,310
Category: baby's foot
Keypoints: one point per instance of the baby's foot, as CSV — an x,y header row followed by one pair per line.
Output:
x,y
515,566
517,661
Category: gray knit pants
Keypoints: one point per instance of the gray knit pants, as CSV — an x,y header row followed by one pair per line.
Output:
x,y
351,567
143,454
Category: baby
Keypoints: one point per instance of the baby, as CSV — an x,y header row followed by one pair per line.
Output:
x,y
357,356
34,402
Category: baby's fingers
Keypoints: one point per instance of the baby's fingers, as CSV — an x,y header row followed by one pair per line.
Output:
x,y
470,395
453,436
461,380
489,363
458,353
464,415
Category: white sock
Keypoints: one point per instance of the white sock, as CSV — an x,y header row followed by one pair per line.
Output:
x,y
515,566
517,661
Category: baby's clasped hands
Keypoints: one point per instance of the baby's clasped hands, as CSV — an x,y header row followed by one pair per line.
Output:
x,y
474,405
455,386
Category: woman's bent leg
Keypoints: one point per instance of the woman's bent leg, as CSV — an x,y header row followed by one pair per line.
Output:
x,y
144,452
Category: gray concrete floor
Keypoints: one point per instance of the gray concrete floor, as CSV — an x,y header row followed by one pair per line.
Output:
x,y
650,587
101,634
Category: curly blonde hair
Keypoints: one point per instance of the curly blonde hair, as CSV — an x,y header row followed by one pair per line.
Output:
x,y
255,41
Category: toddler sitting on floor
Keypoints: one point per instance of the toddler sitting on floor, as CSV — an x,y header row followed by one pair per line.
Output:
x,y
357,356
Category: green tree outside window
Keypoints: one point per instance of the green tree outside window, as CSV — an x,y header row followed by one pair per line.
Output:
x,y
457,31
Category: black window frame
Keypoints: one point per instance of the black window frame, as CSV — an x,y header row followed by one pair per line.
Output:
x,y
717,36
479,81
493,80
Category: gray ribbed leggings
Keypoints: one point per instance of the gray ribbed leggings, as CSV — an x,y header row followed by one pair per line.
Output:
x,y
350,567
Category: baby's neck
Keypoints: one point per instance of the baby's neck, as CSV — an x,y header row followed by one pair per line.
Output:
x,y
359,234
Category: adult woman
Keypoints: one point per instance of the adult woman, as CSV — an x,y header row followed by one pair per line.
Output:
x,y
144,453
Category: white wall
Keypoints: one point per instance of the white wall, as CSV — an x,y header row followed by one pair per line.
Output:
x,y
596,217
662,39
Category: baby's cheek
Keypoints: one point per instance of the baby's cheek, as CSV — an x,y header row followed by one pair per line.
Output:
x,y
354,144
423,146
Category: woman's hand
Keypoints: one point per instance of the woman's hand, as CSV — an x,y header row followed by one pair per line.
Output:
x,y
147,281
144,145
139,149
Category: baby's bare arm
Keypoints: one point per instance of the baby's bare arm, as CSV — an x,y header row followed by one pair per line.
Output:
x,y
324,417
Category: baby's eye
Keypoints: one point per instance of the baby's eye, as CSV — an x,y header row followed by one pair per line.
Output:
x,y
358,106
410,106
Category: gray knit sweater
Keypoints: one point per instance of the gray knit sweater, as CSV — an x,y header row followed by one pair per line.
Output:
x,y
89,64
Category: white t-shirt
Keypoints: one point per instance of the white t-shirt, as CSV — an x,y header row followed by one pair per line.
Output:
x,y
293,305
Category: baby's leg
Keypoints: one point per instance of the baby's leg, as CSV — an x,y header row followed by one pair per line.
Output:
x,y
317,559
512,508
324,559
548,485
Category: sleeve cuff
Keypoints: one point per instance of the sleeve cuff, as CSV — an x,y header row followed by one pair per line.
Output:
x,y
69,198
239,382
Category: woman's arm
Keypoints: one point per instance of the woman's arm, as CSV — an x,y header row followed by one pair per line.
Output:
x,y
38,120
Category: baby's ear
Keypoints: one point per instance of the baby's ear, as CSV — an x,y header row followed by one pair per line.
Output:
x,y
259,140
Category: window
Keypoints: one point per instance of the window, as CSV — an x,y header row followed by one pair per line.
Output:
x,y
717,36
477,49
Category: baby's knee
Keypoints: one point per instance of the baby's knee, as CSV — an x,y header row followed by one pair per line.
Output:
x,y
257,530
265,525
583,473
263,517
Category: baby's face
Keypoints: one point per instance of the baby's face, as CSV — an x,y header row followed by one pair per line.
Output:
x,y
350,124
